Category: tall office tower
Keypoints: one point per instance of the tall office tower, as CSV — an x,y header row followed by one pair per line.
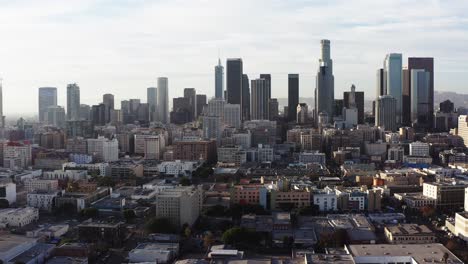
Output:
x,y
385,112
446,106
152,100
426,64
231,115
463,128
180,110
273,108
2,118
201,104
219,80
215,107
212,128
406,98
143,113
108,101
134,104
420,83
293,96
245,106
47,97
359,101
234,71
380,86
99,115
163,100
54,115
393,77
267,78
259,100
73,102
325,86
302,113
191,95
85,112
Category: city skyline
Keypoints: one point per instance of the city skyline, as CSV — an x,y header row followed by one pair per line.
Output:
x,y
125,66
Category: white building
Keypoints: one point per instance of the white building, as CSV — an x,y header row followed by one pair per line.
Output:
x,y
326,199
104,149
154,253
178,168
463,128
18,217
265,153
419,149
461,225
232,115
103,169
212,128
42,200
243,139
8,192
67,174
466,199
41,185
182,205
312,157
232,154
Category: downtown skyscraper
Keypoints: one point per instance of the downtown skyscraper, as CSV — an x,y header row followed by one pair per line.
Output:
x,y
259,99
393,74
219,80
325,83
47,98
425,95
293,96
152,100
73,102
234,81
163,100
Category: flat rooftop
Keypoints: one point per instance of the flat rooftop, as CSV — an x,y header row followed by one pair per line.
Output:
x,y
408,229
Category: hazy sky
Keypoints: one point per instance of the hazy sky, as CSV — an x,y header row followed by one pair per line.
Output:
x,y
121,47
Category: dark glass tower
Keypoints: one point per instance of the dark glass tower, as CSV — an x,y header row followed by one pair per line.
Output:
x,y
293,96
426,64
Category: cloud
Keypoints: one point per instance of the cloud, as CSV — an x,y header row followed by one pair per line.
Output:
x,y
123,46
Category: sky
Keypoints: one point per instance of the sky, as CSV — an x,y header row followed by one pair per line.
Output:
x,y
122,46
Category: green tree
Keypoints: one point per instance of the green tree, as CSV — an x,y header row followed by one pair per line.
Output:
x,y
89,212
208,239
241,237
105,181
160,225
129,215
311,210
4,203
185,181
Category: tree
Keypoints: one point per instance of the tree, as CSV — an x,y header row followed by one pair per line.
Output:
x,y
4,203
89,212
129,215
428,211
311,210
160,225
106,181
216,210
187,231
208,239
241,237
185,181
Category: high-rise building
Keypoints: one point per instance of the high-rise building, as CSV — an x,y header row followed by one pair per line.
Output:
x,y
103,149
463,128
232,115
108,101
47,97
259,100
393,77
359,101
380,83
325,86
245,106
426,64
85,112
267,78
152,100
99,115
385,112
73,102
406,98
302,113
212,128
219,80
446,106
293,96
420,82
191,95
163,100
273,108
234,71
2,117
55,116
181,110
201,103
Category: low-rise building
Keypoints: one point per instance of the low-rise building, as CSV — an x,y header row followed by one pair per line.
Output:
x,y
415,200
409,234
182,205
446,195
312,157
103,233
8,192
18,217
41,185
178,168
154,252
461,225
42,200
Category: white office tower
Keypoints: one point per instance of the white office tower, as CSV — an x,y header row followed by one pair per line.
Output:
x,y
47,98
103,149
55,116
219,80
385,112
259,97
73,102
152,100
302,113
181,205
163,100
394,82
325,83
212,127
215,107
232,115
463,128
419,149
350,114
